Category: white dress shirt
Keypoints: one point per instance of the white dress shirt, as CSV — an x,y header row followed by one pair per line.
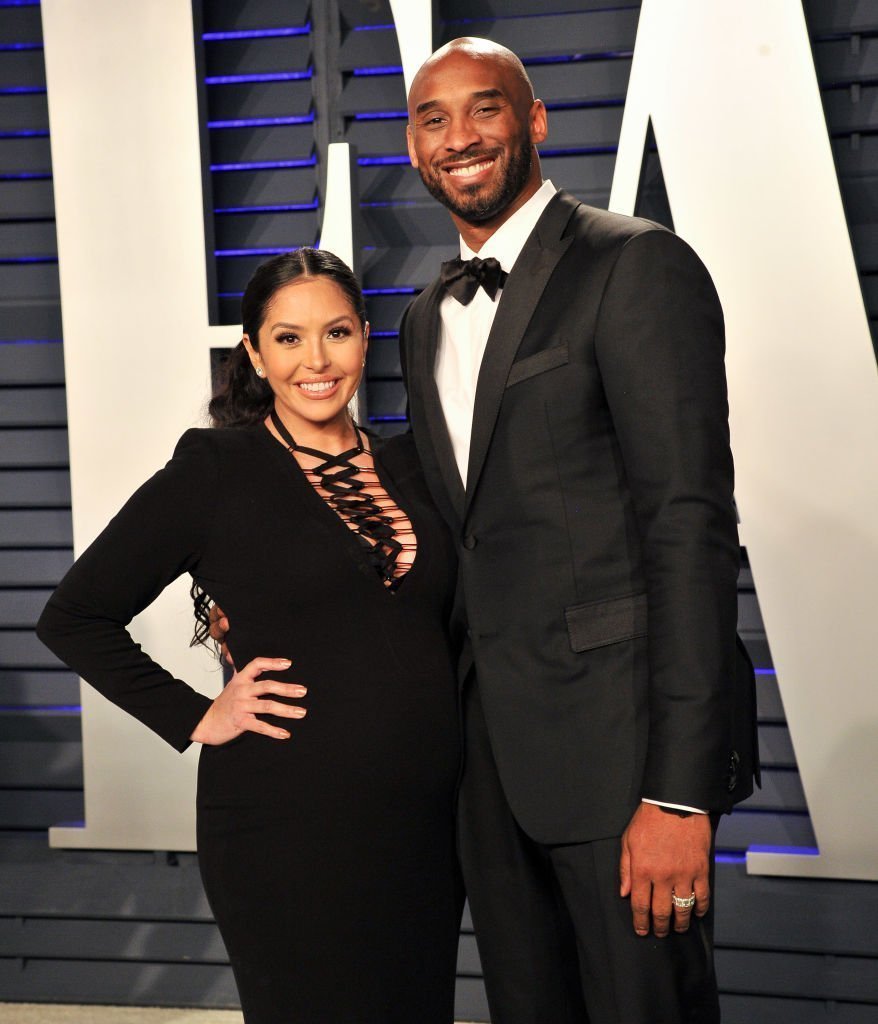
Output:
x,y
463,335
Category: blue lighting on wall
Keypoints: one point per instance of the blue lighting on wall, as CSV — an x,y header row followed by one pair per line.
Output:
x,y
25,133
257,33
730,857
26,176
379,161
388,419
6,47
64,709
265,76
765,672
804,851
9,260
265,165
23,90
19,3
579,151
263,251
390,291
277,208
262,122
389,69
382,115
30,341
374,28
383,334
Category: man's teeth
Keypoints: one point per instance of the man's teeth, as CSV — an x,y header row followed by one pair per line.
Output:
x,y
318,385
466,172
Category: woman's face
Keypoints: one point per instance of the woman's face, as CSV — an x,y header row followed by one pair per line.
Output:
x,y
312,347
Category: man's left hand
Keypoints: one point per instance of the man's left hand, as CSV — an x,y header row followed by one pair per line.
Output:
x,y
665,854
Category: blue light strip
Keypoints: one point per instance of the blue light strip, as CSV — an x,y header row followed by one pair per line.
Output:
x,y
381,161
264,251
383,115
579,58
265,76
6,47
388,419
384,334
19,3
805,851
390,291
23,90
48,708
765,672
262,122
265,165
25,133
730,858
11,260
26,176
374,28
278,208
388,69
257,33
580,151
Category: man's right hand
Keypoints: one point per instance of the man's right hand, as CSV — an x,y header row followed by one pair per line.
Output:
x,y
234,711
219,626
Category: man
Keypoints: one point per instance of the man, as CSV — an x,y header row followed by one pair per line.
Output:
x,y
567,396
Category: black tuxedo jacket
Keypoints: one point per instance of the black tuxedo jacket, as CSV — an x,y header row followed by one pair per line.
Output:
x,y
597,531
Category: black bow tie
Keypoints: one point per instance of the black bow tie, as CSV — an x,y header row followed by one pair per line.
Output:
x,y
462,278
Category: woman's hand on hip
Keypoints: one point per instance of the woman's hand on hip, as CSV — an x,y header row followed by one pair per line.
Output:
x,y
244,697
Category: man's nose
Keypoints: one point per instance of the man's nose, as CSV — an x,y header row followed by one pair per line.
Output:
x,y
462,134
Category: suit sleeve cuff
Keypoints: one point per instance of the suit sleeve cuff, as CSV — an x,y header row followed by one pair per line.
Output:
x,y
673,807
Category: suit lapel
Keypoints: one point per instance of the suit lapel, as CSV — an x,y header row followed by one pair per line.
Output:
x,y
441,458
524,286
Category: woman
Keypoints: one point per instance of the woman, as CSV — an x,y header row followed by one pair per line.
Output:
x,y
325,842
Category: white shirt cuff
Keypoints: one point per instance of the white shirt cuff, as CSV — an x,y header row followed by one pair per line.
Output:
x,y
673,807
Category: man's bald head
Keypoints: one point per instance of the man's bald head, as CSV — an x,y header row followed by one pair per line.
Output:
x,y
478,49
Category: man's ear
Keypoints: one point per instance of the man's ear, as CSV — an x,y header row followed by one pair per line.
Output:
x,y
410,141
539,122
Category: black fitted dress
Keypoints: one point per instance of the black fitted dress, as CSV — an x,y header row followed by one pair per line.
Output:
x,y
328,858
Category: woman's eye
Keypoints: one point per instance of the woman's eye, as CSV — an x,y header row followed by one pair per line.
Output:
x,y
287,339
337,333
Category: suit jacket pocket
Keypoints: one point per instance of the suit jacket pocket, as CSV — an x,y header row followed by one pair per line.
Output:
x,y
600,623
539,362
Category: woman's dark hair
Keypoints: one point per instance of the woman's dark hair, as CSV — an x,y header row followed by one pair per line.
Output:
x,y
243,399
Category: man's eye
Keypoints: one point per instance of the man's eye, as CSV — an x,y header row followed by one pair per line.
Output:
x,y
487,111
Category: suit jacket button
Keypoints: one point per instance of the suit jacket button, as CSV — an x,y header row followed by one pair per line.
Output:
x,y
469,541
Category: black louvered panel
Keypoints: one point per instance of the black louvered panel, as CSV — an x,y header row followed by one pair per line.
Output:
x,y
260,119
841,17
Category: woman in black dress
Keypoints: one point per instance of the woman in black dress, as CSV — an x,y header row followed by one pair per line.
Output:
x,y
325,788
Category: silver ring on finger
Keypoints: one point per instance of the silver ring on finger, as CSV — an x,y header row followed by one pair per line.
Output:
x,y
683,902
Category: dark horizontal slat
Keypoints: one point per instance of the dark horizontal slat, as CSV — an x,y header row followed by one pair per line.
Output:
x,y
21,24
23,198
37,281
19,648
830,17
781,791
168,942
753,972
456,10
860,194
34,407
869,283
468,961
856,155
749,616
24,112
775,746
41,808
35,528
21,68
30,687
44,448
29,320
580,32
22,608
234,272
25,155
40,726
844,114
470,1001
383,359
35,765
48,488
768,700
33,568
415,266
768,1010
386,399
865,242
236,231
37,363
802,914
232,15
424,223
374,49
118,983
385,311
747,828
840,61
256,56
253,145
264,188
89,888
29,238
259,99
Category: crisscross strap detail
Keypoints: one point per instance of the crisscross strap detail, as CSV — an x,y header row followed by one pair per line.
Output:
x,y
354,492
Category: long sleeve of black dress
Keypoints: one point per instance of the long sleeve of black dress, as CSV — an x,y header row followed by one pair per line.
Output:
x,y
157,536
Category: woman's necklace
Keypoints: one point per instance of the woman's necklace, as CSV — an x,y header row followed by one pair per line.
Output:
x,y
338,477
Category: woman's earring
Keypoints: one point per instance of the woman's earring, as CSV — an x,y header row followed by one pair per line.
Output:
x,y
259,371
